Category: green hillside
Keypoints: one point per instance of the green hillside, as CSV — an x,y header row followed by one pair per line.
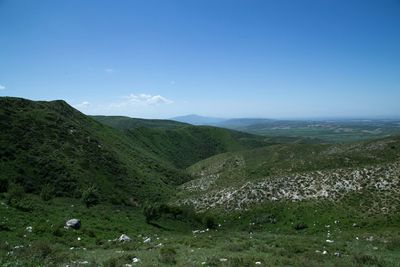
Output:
x,y
302,171
121,122
189,195
52,145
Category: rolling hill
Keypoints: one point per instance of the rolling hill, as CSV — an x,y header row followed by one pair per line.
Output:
x,y
52,144
122,122
191,194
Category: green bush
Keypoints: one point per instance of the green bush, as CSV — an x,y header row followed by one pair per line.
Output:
x,y
209,222
167,255
151,211
367,260
41,249
300,226
4,183
90,196
15,194
119,261
47,192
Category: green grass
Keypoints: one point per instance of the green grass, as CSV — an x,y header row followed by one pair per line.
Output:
x,y
51,155
243,238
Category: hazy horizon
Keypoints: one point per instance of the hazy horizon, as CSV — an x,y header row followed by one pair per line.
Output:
x,y
228,59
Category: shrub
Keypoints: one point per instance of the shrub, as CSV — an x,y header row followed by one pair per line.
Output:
x,y
209,222
41,249
90,196
367,260
119,261
47,192
3,184
300,226
167,255
15,194
151,212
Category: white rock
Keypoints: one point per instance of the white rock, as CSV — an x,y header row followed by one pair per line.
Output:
x,y
135,260
147,240
124,238
29,229
223,260
329,241
73,223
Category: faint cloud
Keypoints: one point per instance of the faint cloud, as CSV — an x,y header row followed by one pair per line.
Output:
x,y
172,82
84,104
147,99
143,100
2,87
109,70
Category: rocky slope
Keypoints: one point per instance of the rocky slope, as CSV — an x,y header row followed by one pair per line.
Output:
x,y
240,180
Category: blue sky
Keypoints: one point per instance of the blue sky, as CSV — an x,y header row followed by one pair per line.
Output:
x,y
245,58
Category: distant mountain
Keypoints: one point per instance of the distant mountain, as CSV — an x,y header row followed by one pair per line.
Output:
x,y
198,120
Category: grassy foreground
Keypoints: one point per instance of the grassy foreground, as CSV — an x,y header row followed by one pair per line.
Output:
x,y
267,236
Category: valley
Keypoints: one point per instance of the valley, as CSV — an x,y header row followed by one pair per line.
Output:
x,y
186,195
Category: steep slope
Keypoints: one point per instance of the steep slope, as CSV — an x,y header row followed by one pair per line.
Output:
x,y
298,172
121,122
51,143
187,145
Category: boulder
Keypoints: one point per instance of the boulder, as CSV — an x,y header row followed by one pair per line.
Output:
x,y
73,223
124,238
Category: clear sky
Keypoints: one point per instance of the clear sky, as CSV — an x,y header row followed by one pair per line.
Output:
x,y
245,58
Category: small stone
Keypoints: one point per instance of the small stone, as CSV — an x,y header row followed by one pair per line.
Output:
x,y
124,238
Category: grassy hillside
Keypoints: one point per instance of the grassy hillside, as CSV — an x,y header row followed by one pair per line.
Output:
x,y
187,145
183,145
50,145
121,122
297,172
